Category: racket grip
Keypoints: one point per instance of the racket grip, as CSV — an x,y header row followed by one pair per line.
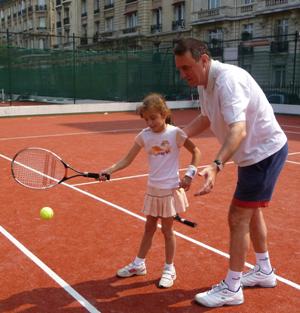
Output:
x,y
96,175
184,221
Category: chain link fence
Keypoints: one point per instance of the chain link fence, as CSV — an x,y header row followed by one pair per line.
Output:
x,y
53,75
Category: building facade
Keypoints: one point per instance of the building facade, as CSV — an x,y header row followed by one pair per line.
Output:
x,y
254,34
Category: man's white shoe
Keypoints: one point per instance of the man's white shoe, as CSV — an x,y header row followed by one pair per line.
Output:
x,y
255,277
220,295
167,278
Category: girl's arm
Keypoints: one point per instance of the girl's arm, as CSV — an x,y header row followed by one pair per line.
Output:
x,y
192,169
132,153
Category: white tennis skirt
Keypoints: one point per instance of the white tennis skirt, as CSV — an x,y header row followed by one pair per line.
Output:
x,y
164,202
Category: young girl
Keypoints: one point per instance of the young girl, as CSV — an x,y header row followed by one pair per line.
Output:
x,y
165,195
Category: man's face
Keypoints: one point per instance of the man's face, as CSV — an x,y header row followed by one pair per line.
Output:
x,y
194,72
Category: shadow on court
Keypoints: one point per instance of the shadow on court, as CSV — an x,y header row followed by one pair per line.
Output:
x,y
106,296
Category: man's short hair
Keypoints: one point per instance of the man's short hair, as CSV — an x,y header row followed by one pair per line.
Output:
x,y
195,46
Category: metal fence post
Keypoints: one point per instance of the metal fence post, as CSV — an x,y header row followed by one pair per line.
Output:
x,y
74,70
9,67
295,59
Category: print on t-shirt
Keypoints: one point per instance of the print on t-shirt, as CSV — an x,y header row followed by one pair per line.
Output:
x,y
164,148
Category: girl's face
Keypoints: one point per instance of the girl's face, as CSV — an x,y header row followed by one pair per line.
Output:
x,y
155,120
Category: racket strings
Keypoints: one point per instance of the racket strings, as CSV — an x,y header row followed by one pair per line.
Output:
x,y
38,168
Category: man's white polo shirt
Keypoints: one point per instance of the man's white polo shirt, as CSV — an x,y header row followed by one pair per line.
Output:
x,y
232,95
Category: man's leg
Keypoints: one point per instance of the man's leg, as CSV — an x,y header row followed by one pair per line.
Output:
x,y
258,232
229,292
262,274
239,224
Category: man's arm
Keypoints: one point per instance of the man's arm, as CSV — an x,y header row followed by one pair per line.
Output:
x,y
197,126
235,136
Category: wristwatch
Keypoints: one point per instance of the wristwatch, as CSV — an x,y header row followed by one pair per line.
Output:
x,y
219,164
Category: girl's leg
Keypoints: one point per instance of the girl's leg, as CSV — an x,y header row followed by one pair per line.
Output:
x,y
150,228
170,241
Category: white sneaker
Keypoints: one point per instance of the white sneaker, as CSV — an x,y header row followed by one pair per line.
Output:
x,y
220,295
131,270
167,279
255,277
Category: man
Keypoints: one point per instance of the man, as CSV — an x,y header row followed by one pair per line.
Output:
x,y
237,111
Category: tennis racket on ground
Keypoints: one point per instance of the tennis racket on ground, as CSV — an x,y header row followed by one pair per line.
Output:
x,y
184,221
39,168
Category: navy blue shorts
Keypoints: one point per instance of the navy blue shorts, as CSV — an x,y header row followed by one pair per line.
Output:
x,y
256,182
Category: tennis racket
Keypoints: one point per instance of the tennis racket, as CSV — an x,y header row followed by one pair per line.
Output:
x,y
184,221
39,168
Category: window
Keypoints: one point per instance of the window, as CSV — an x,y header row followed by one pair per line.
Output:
x,y
213,4
248,2
83,8
42,22
97,27
96,5
279,75
109,24
156,16
41,43
131,20
248,28
281,29
215,35
179,12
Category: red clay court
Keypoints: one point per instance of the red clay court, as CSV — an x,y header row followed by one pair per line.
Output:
x,y
68,264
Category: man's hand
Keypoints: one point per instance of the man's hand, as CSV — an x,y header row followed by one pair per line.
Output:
x,y
209,173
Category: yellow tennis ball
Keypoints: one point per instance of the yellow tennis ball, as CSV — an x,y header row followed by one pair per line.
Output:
x,y
46,213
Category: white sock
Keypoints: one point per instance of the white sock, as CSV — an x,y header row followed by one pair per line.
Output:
x,y
169,267
138,261
263,260
233,280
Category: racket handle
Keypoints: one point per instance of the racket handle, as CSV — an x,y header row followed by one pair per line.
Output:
x,y
96,175
184,221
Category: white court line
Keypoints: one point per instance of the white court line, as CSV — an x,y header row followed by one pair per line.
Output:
x,y
103,132
131,177
71,291
72,134
196,242
285,125
293,162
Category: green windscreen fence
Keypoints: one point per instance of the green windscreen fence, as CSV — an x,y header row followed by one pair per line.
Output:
x,y
29,74
79,74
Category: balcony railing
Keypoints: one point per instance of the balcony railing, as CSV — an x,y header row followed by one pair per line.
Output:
x,y
83,41
270,3
107,33
66,21
279,46
108,6
178,24
41,7
217,13
156,28
130,30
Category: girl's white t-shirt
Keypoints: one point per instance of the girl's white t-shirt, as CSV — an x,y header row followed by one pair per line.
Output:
x,y
163,155
232,95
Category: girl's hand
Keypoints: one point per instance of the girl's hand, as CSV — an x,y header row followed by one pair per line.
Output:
x,y
209,173
185,183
